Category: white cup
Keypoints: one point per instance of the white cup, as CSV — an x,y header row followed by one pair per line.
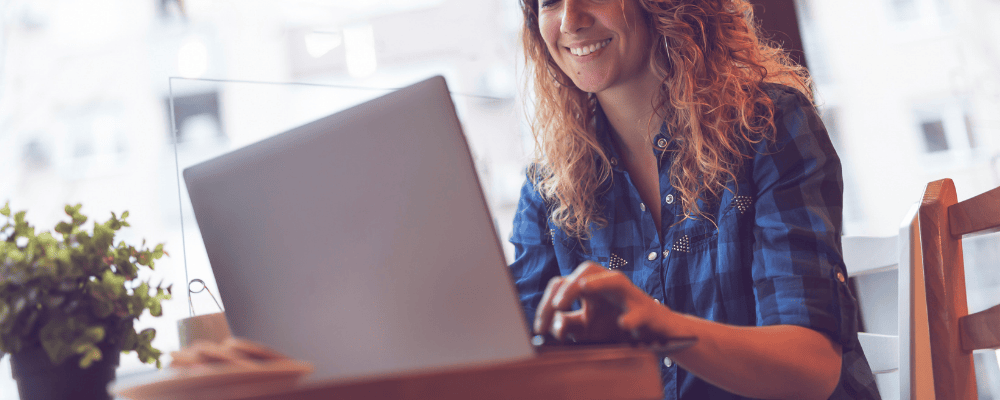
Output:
x,y
209,327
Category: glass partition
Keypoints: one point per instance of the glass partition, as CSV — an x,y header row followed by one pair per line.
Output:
x,y
213,117
85,97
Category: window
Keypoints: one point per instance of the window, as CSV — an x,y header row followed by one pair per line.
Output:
x,y
945,127
934,136
904,10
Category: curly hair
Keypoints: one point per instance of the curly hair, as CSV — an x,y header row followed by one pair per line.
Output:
x,y
712,66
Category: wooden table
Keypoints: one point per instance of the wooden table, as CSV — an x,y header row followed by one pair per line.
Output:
x,y
619,373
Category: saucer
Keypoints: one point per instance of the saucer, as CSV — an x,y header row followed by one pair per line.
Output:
x,y
224,381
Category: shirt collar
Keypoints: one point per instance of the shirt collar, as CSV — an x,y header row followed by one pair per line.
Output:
x,y
606,141
661,141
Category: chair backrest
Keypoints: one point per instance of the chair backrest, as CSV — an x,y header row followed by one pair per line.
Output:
x,y
954,334
897,343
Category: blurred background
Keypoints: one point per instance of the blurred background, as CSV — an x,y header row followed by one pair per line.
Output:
x,y
91,93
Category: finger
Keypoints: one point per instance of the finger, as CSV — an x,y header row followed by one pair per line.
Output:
x,y
569,291
251,350
569,325
202,353
543,316
180,359
188,355
612,285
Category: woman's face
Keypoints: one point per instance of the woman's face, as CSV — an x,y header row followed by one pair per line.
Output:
x,y
599,44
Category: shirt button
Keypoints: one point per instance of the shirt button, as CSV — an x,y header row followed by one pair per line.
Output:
x,y
669,199
657,301
652,256
667,362
642,206
661,143
840,276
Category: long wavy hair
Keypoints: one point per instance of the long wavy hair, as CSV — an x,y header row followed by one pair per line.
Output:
x,y
712,60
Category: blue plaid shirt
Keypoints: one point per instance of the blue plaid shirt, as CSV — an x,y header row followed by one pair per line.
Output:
x,y
775,257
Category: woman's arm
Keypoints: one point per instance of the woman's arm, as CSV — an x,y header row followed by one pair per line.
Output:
x,y
534,256
771,362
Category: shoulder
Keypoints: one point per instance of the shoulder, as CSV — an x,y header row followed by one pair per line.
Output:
x,y
531,195
795,118
799,144
785,97
531,219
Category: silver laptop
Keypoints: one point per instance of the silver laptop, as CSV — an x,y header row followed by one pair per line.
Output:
x,y
361,242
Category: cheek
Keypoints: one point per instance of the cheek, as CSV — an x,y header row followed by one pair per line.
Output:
x,y
549,31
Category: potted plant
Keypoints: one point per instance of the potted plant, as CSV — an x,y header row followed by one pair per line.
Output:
x,y
68,304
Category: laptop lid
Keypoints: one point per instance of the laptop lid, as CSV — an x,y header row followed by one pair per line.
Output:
x,y
361,242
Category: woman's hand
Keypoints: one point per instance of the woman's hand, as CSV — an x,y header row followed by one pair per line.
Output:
x,y
611,308
779,361
232,352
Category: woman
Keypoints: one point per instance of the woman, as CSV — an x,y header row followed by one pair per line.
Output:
x,y
685,187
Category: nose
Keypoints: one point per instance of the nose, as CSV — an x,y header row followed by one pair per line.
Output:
x,y
575,16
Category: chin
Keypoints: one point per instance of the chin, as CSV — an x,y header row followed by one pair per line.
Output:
x,y
591,86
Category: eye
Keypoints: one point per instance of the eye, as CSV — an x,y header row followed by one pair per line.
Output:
x,y
548,3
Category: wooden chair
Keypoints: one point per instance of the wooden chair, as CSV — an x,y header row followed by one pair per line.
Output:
x,y
954,334
888,277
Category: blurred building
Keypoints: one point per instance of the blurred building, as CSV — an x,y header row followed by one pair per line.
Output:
x,y
910,91
92,95
88,90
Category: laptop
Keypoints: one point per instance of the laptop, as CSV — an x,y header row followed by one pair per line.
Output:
x,y
361,242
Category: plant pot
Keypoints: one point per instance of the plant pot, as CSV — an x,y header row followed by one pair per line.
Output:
x,y
38,379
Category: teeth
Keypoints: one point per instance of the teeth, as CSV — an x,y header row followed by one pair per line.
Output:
x,y
586,50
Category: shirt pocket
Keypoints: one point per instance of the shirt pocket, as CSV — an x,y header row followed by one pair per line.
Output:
x,y
692,235
691,284
568,251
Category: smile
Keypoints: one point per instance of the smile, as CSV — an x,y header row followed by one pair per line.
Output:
x,y
586,50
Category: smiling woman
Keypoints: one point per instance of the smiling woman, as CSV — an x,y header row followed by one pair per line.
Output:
x,y
684,185
600,45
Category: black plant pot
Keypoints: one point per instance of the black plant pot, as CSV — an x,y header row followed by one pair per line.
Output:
x,y
38,379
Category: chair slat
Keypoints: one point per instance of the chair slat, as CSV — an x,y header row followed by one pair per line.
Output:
x,y
882,351
981,330
980,214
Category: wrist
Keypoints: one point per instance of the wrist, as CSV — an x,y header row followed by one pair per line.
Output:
x,y
671,323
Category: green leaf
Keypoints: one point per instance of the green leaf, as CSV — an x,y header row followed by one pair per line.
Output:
x,y
94,334
128,270
29,324
5,211
125,214
158,251
64,228
103,237
129,339
91,354
55,336
147,335
5,318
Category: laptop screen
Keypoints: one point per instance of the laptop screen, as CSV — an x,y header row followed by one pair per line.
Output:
x,y
361,242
